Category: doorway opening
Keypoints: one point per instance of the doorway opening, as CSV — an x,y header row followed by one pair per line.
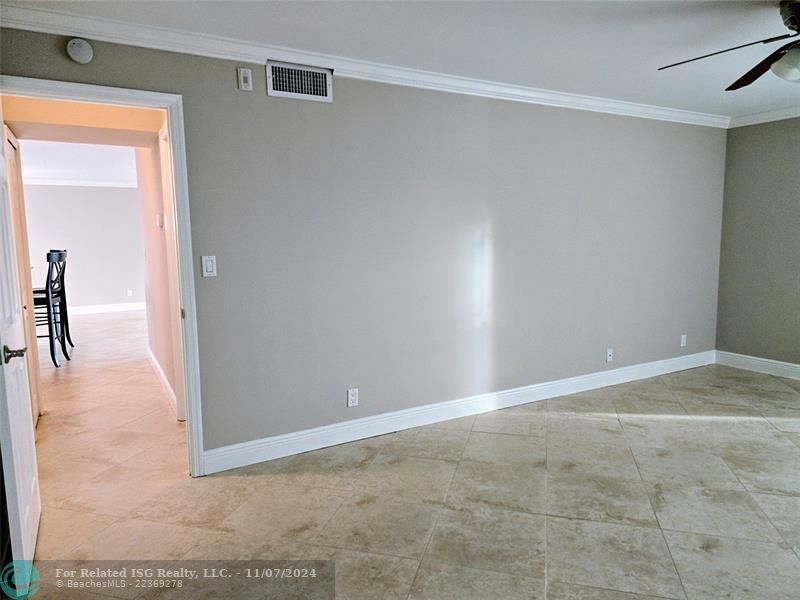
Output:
x,y
103,275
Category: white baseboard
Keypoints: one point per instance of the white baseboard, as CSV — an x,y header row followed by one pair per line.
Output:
x,y
759,365
247,453
164,381
91,309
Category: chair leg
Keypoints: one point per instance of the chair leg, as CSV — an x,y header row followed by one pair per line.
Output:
x,y
61,337
65,319
51,330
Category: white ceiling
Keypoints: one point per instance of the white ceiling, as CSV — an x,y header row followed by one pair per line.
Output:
x,y
59,163
596,48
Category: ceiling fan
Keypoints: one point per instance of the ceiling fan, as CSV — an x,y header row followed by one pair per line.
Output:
x,y
784,62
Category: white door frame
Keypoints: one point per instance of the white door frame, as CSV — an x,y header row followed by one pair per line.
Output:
x,y
173,104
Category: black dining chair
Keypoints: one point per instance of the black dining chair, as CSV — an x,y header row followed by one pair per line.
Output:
x,y
63,299
62,304
50,305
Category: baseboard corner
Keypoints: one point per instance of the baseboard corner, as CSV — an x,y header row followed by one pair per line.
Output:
x,y
767,366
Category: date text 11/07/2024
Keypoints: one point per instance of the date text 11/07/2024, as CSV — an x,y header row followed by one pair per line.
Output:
x,y
185,573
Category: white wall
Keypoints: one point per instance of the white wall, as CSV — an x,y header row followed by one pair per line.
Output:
x,y
101,229
69,163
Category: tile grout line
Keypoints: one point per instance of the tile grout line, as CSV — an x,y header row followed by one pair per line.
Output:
x,y
546,502
362,551
446,507
641,482
663,535
731,471
438,512
763,512
722,537
85,540
505,433
604,589
742,490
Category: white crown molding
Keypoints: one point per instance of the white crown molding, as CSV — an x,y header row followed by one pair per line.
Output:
x,y
247,453
765,117
759,365
43,20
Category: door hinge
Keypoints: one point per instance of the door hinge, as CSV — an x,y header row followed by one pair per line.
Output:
x,y
183,313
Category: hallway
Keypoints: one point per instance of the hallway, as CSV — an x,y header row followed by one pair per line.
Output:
x,y
108,440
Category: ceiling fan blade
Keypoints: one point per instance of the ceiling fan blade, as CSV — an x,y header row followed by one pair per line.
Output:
x,y
766,41
761,67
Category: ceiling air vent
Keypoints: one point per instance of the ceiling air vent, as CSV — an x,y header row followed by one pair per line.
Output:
x,y
298,81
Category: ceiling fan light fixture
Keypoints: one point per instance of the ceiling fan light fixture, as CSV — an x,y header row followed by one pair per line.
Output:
x,y
788,67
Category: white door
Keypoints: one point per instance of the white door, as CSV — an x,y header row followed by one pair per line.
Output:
x,y
20,224
16,425
173,271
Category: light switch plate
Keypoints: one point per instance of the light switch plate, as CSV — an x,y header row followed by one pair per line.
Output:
x,y
245,77
209,266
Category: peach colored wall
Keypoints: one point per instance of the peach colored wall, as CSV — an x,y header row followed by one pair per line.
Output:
x,y
63,112
66,121
156,260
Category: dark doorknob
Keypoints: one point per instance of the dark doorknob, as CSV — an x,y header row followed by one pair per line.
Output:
x,y
8,354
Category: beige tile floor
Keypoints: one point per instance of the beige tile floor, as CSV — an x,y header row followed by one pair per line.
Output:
x,y
682,486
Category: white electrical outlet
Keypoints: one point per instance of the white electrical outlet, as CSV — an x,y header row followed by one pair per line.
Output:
x,y
352,397
610,355
683,340
130,293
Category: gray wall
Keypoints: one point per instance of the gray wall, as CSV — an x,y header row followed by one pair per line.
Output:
x,y
419,245
101,228
759,295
